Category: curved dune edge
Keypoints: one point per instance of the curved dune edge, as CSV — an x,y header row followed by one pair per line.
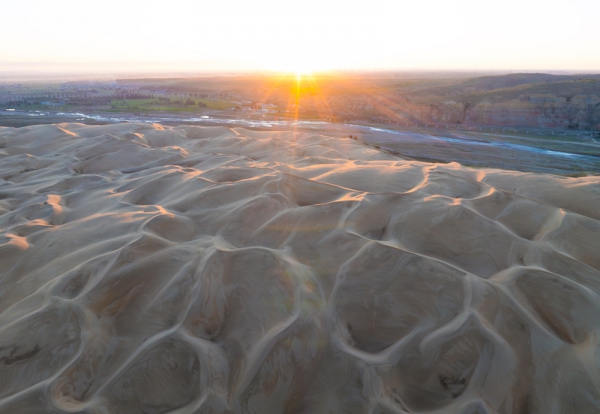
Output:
x,y
152,269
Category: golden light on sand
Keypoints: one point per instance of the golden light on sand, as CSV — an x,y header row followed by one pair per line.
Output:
x,y
217,269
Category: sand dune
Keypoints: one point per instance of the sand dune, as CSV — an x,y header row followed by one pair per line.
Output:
x,y
150,269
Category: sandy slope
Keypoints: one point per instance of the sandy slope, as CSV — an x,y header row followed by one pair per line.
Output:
x,y
146,269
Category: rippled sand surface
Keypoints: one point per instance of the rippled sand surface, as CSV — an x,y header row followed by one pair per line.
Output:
x,y
146,269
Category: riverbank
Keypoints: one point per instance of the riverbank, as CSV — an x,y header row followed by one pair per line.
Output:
x,y
554,155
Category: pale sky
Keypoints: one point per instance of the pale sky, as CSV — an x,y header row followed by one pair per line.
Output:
x,y
301,35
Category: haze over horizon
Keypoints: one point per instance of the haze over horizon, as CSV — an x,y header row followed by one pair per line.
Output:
x,y
299,36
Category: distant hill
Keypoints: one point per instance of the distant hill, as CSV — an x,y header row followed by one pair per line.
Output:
x,y
516,99
518,82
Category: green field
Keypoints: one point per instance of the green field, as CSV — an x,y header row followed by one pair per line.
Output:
x,y
153,105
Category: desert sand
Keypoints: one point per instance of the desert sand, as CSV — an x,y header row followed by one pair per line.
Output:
x,y
151,269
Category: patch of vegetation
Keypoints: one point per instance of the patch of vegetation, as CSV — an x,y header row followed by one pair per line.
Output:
x,y
578,174
168,105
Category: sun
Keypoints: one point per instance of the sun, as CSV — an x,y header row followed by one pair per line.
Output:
x,y
300,69
302,74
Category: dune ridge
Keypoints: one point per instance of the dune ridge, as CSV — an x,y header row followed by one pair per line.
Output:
x,y
153,269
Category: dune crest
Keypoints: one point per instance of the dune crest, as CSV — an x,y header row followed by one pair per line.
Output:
x,y
154,269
